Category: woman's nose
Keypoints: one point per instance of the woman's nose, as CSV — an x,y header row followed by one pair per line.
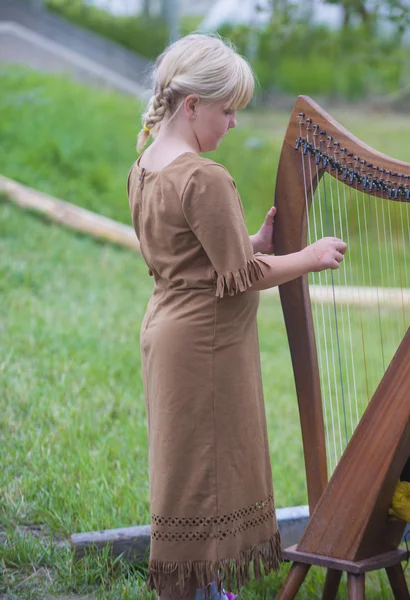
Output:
x,y
232,121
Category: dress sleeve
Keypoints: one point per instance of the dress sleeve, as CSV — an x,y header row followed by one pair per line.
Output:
x,y
214,212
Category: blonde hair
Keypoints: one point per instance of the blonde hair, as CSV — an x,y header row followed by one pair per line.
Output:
x,y
204,65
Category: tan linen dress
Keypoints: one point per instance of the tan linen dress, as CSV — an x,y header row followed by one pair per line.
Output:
x,y
211,495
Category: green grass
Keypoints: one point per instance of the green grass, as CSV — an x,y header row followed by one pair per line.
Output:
x,y
74,450
72,413
79,144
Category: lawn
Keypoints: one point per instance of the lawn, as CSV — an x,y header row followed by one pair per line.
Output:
x,y
72,416
74,450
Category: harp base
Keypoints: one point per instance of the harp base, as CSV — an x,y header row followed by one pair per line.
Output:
x,y
391,561
382,561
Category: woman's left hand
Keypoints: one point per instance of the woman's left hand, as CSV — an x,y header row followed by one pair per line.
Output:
x,y
263,240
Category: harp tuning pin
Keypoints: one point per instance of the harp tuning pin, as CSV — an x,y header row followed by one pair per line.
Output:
x,y
322,132
352,176
408,195
308,120
396,193
298,142
390,192
325,161
318,158
370,184
345,173
305,147
315,128
365,181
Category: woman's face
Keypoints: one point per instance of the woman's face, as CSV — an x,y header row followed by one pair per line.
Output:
x,y
211,123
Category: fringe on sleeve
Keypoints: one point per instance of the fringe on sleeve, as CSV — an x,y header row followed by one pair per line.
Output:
x,y
240,280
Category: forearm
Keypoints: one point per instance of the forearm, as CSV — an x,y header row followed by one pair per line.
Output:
x,y
281,269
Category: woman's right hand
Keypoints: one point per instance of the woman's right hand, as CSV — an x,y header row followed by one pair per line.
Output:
x,y
326,253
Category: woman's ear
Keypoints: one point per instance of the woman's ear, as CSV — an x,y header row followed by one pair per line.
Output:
x,y
191,106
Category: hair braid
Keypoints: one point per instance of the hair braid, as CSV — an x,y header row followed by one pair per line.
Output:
x,y
159,104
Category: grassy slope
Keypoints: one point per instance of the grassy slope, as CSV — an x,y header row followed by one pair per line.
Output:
x,y
73,425
71,400
78,144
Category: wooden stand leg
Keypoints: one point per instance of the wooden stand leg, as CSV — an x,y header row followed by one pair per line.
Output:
x,y
332,582
356,586
293,581
398,582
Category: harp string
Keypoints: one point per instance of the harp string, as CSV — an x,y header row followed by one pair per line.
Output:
x,y
380,256
326,398
388,257
370,226
330,300
399,261
336,320
362,282
391,238
346,237
406,277
316,280
346,331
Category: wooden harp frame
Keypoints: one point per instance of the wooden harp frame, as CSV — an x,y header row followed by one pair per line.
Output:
x,y
361,488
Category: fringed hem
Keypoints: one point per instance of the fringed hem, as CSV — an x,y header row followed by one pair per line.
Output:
x,y
169,576
240,280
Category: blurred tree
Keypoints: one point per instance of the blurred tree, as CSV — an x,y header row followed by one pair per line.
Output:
x,y
397,12
354,8
146,9
170,14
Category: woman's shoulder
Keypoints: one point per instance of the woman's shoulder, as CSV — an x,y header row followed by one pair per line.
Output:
x,y
187,168
201,162
202,168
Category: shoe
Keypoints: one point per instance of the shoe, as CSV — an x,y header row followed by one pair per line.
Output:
x,y
215,595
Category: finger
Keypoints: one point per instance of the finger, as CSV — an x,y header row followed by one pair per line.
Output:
x,y
270,215
339,256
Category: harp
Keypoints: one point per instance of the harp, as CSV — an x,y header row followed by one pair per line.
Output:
x,y
350,347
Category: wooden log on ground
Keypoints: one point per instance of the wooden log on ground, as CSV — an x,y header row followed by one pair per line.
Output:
x,y
70,215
